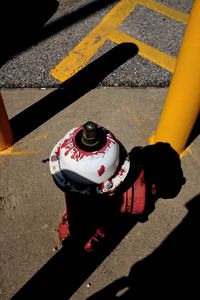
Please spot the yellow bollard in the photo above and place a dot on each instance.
(6, 136)
(182, 103)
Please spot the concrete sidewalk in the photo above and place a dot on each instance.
(31, 205)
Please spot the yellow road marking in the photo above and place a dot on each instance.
(87, 48)
(107, 30)
(161, 58)
(165, 10)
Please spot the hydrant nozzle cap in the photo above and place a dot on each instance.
(89, 135)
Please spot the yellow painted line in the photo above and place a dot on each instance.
(165, 10)
(11, 151)
(87, 48)
(107, 30)
(158, 57)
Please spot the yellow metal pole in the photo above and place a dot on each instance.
(6, 136)
(182, 103)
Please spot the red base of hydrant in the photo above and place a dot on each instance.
(64, 228)
(133, 202)
(90, 245)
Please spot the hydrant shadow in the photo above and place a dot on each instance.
(70, 267)
(170, 270)
(163, 178)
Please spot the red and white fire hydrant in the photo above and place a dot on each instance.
(92, 167)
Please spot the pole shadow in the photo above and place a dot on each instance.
(23, 22)
(71, 266)
(71, 90)
(170, 271)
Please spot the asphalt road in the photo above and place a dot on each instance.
(38, 35)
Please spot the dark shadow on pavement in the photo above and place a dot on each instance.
(70, 267)
(23, 23)
(71, 90)
(171, 271)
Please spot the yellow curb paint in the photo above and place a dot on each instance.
(107, 30)
(160, 58)
(11, 151)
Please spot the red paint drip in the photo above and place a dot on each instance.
(101, 170)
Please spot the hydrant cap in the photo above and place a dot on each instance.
(86, 156)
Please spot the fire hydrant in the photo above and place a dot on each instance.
(92, 168)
